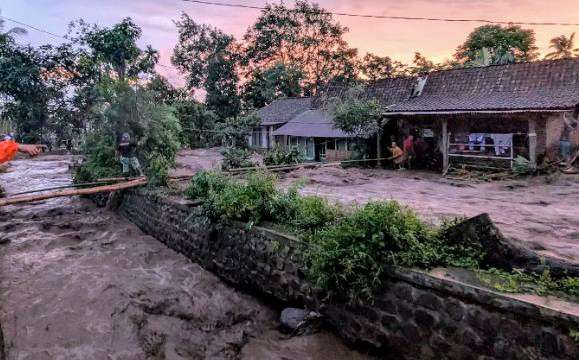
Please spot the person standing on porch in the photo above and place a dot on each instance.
(569, 126)
(409, 152)
(397, 156)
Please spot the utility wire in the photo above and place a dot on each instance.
(33, 27)
(391, 17)
(55, 35)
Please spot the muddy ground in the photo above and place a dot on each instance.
(77, 282)
(541, 212)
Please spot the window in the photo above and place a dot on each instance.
(256, 137)
(342, 144)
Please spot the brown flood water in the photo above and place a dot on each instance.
(77, 282)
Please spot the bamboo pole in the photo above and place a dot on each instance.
(95, 190)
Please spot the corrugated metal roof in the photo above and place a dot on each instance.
(311, 123)
(283, 110)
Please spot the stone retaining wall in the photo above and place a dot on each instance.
(418, 316)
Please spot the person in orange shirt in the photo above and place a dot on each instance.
(397, 155)
(9, 148)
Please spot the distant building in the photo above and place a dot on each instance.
(481, 115)
(275, 115)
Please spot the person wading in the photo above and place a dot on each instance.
(127, 149)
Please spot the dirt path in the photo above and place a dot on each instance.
(77, 282)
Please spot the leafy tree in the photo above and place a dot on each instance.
(197, 123)
(486, 57)
(420, 64)
(234, 131)
(124, 109)
(356, 115)
(267, 85)
(500, 41)
(562, 48)
(162, 90)
(306, 37)
(22, 71)
(208, 57)
(375, 67)
(116, 48)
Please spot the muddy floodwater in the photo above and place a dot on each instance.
(542, 213)
(77, 282)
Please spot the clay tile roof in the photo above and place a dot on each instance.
(542, 85)
(311, 123)
(283, 110)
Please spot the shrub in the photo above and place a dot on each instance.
(283, 156)
(453, 254)
(522, 166)
(349, 257)
(225, 198)
(100, 158)
(205, 182)
(235, 158)
(311, 213)
(154, 126)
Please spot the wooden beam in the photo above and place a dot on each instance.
(532, 143)
(445, 142)
(90, 191)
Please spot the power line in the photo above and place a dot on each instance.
(391, 17)
(33, 27)
(56, 35)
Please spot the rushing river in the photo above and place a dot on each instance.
(77, 282)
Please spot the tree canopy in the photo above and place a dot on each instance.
(499, 40)
(116, 48)
(306, 37)
(208, 58)
(266, 85)
(563, 48)
(374, 67)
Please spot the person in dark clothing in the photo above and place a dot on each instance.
(127, 149)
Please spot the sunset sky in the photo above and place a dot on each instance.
(395, 38)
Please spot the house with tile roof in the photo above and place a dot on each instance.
(275, 115)
(492, 114)
(480, 115)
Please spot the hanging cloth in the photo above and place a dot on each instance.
(503, 142)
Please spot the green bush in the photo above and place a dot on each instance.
(235, 158)
(226, 198)
(311, 213)
(283, 156)
(350, 256)
(100, 159)
(154, 126)
(458, 255)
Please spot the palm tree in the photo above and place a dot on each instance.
(12, 31)
(563, 48)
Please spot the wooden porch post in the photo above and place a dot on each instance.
(533, 143)
(444, 146)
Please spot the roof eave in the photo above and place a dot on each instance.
(458, 112)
